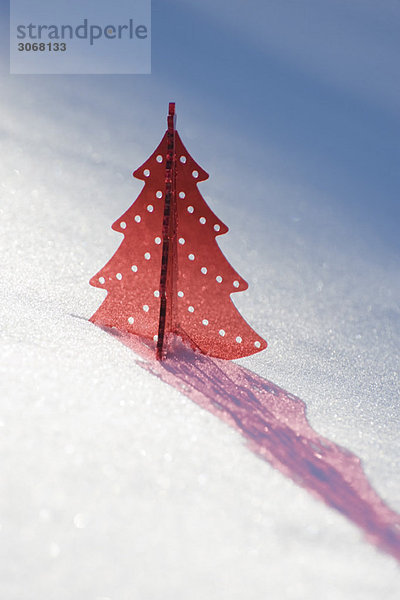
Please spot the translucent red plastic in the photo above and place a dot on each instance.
(169, 275)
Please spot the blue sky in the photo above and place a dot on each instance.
(302, 92)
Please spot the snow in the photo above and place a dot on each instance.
(114, 484)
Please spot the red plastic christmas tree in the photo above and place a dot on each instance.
(169, 275)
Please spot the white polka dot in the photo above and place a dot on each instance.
(155, 338)
(131, 320)
(205, 322)
(217, 227)
(239, 339)
(183, 159)
(157, 240)
(102, 280)
(146, 172)
(202, 220)
(191, 309)
(138, 218)
(236, 283)
(181, 294)
(204, 270)
(190, 209)
(195, 174)
(145, 308)
(159, 194)
(182, 195)
(134, 268)
(159, 158)
(219, 278)
(119, 276)
(257, 344)
(147, 255)
(191, 256)
(181, 241)
(221, 332)
(156, 294)
(150, 208)
(122, 225)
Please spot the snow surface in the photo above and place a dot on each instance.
(114, 485)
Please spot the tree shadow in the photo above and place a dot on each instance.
(275, 426)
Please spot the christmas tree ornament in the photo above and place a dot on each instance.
(169, 276)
